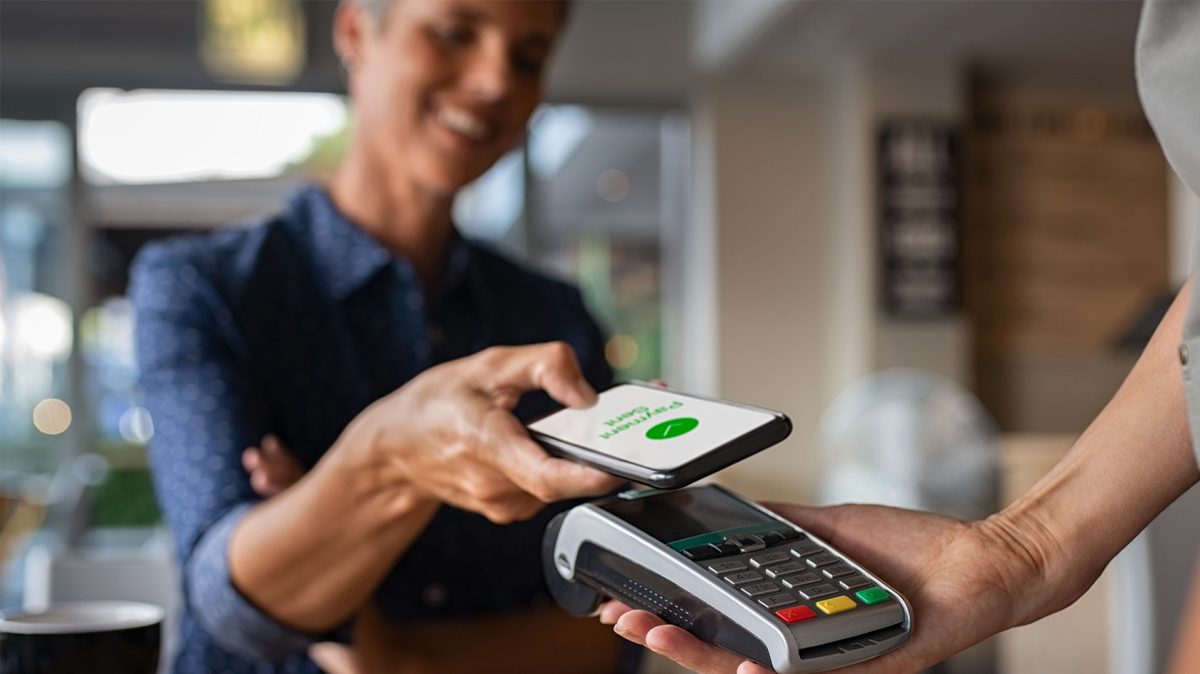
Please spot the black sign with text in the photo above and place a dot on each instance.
(919, 226)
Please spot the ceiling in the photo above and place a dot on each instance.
(52, 50)
(626, 51)
(1084, 42)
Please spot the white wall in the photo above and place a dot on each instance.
(782, 249)
(762, 195)
(933, 89)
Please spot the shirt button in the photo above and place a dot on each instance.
(1183, 354)
(436, 335)
(434, 595)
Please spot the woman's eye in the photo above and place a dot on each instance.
(451, 35)
(529, 64)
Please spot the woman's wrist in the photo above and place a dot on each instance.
(1031, 559)
(357, 464)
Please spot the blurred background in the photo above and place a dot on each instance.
(935, 234)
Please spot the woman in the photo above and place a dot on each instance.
(353, 327)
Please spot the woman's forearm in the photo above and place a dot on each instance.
(311, 556)
(1131, 462)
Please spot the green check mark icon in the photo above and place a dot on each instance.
(672, 428)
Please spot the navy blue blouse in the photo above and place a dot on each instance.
(293, 326)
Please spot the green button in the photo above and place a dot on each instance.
(672, 429)
(872, 595)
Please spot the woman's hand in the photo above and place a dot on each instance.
(272, 467)
(450, 433)
(312, 554)
(966, 581)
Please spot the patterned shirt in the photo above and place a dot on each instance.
(293, 326)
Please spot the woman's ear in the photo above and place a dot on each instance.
(351, 27)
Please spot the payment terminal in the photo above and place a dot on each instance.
(730, 572)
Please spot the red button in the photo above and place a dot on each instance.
(795, 614)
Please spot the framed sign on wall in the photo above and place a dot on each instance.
(919, 221)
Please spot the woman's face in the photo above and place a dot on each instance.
(443, 88)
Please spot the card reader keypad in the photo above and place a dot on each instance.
(789, 575)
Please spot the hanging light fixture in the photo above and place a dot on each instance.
(252, 41)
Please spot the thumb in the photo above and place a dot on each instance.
(551, 367)
(334, 658)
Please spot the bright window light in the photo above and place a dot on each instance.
(155, 136)
(34, 154)
(555, 133)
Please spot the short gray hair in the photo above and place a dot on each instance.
(377, 9)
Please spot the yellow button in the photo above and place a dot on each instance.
(836, 605)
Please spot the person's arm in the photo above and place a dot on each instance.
(312, 555)
(970, 580)
(419, 647)
(263, 578)
(204, 408)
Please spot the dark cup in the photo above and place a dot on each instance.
(94, 637)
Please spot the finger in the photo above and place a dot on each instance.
(260, 482)
(611, 611)
(333, 658)
(659, 383)
(551, 367)
(634, 625)
(822, 521)
(524, 462)
(280, 461)
(251, 459)
(685, 649)
(751, 667)
(262, 485)
(279, 464)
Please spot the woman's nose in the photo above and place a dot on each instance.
(489, 73)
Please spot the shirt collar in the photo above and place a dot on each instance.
(345, 257)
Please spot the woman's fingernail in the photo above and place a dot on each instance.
(587, 395)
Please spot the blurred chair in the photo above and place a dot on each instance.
(909, 438)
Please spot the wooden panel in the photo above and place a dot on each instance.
(1066, 247)
(1067, 225)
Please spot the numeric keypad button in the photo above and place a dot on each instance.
(817, 591)
(736, 579)
(726, 567)
(800, 580)
(838, 570)
(785, 569)
(823, 559)
(766, 559)
(775, 601)
(855, 582)
(805, 549)
(757, 589)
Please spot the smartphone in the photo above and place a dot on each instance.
(659, 437)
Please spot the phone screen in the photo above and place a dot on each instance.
(651, 427)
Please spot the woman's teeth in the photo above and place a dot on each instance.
(464, 123)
